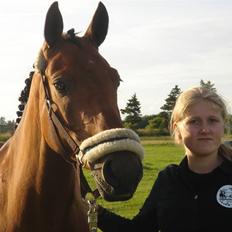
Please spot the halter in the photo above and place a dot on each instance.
(58, 128)
(60, 133)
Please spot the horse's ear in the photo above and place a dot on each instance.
(98, 27)
(53, 28)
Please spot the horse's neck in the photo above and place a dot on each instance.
(22, 157)
(41, 180)
(25, 144)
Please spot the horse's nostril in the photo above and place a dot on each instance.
(122, 171)
(109, 173)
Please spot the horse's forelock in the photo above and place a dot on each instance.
(40, 63)
(72, 37)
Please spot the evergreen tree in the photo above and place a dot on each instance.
(132, 112)
(167, 108)
(171, 100)
(6, 126)
(3, 121)
(208, 85)
(228, 126)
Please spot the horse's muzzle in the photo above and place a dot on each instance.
(116, 157)
(119, 177)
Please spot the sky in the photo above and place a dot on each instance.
(154, 45)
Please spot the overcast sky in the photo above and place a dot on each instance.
(154, 45)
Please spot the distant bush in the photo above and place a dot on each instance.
(153, 132)
(6, 126)
(4, 136)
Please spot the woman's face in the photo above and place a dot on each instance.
(202, 129)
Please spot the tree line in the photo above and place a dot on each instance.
(158, 124)
(145, 125)
(6, 126)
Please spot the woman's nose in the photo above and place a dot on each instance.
(205, 128)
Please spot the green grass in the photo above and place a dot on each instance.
(4, 137)
(158, 154)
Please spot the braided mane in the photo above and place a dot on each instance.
(24, 98)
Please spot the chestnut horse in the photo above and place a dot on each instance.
(71, 118)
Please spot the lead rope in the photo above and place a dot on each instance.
(90, 198)
(92, 213)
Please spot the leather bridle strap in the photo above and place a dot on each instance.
(59, 129)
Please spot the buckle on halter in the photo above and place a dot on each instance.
(49, 105)
(79, 156)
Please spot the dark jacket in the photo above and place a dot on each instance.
(181, 201)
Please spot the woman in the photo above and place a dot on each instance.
(195, 195)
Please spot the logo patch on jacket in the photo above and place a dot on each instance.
(224, 196)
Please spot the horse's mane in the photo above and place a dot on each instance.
(24, 98)
(40, 65)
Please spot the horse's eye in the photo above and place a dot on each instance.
(119, 81)
(115, 76)
(60, 86)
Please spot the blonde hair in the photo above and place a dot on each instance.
(191, 97)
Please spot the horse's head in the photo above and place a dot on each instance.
(80, 89)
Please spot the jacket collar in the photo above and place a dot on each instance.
(226, 165)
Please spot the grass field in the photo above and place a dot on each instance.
(158, 154)
(4, 137)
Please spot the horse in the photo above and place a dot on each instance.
(69, 119)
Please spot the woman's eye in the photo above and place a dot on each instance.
(213, 120)
(193, 121)
(60, 86)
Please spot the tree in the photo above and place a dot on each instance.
(145, 120)
(208, 85)
(228, 126)
(156, 122)
(11, 125)
(3, 121)
(171, 100)
(132, 112)
(167, 108)
(6, 126)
